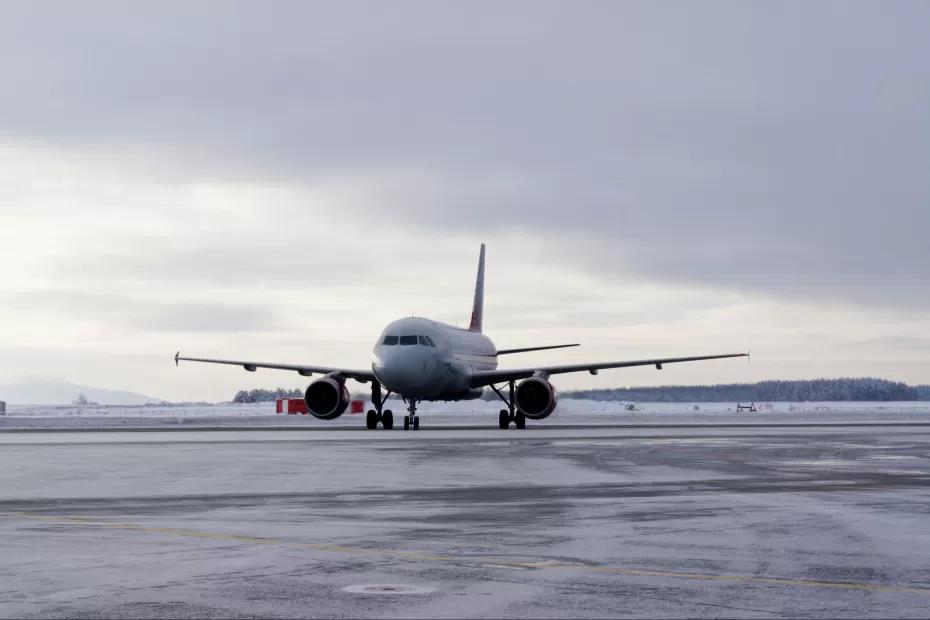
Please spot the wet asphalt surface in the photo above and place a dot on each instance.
(586, 521)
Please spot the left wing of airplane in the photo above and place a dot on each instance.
(489, 377)
(362, 376)
(526, 349)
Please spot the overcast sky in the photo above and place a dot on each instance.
(276, 181)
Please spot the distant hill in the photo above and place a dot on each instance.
(64, 393)
(866, 389)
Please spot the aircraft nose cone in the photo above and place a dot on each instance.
(405, 372)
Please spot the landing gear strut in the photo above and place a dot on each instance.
(510, 414)
(378, 414)
(411, 419)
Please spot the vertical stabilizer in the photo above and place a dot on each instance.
(477, 309)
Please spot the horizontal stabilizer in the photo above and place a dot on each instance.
(524, 350)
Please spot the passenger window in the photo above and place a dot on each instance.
(423, 341)
(390, 340)
(407, 340)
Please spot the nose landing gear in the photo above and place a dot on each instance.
(411, 419)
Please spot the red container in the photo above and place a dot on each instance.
(296, 405)
(290, 406)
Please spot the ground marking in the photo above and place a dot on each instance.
(431, 557)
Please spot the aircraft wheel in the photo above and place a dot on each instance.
(416, 422)
(504, 419)
(520, 420)
(387, 420)
(406, 423)
(371, 420)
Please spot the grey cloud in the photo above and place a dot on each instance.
(267, 265)
(898, 344)
(777, 148)
(145, 314)
(276, 267)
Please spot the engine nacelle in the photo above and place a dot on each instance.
(536, 398)
(327, 398)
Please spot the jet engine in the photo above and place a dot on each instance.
(536, 398)
(327, 398)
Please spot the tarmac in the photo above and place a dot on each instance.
(724, 518)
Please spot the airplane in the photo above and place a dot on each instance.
(421, 359)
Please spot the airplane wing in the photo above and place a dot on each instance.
(526, 349)
(362, 376)
(488, 377)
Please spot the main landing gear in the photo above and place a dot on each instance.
(510, 414)
(411, 419)
(378, 414)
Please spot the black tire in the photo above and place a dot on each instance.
(416, 422)
(503, 419)
(387, 420)
(520, 420)
(406, 423)
(371, 420)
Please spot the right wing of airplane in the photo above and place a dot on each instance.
(362, 376)
(482, 378)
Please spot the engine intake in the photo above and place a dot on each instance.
(536, 398)
(327, 398)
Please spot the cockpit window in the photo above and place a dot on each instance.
(430, 341)
(390, 340)
(423, 341)
(407, 340)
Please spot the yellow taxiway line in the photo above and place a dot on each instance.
(432, 557)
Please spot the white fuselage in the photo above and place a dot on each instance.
(423, 359)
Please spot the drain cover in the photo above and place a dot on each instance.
(387, 588)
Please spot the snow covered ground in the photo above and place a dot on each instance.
(470, 413)
(566, 407)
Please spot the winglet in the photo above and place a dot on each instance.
(176, 357)
(477, 309)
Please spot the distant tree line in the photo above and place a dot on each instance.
(866, 389)
(82, 401)
(261, 395)
(784, 391)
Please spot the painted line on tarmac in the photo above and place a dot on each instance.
(784, 581)
(464, 560)
(220, 536)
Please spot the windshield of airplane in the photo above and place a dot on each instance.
(425, 341)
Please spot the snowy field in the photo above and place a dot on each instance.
(475, 407)
(569, 411)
